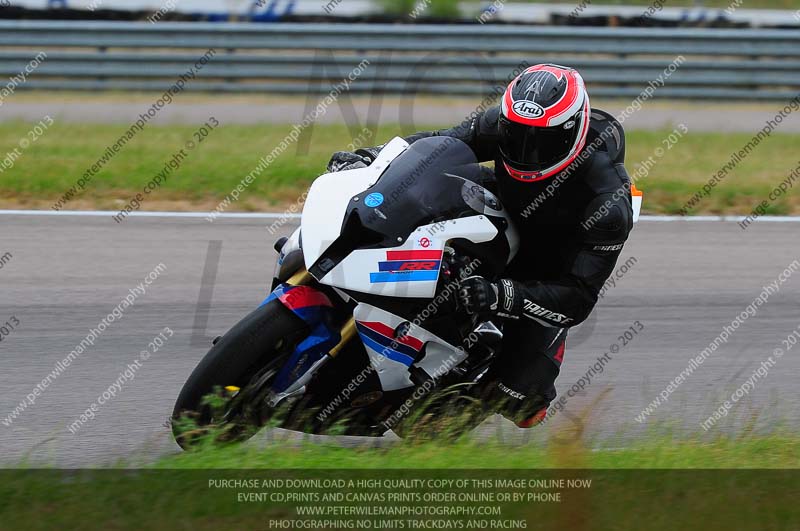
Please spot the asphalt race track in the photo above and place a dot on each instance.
(66, 273)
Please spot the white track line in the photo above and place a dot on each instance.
(278, 215)
(100, 213)
(769, 219)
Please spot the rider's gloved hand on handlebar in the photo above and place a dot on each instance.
(477, 295)
(347, 160)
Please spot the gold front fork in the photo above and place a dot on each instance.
(301, 278)
(348, 332)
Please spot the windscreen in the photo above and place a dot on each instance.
(422, 185)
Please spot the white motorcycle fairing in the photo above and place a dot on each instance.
(393, 356)
(411, 269)
(329, 195)
(397, 346)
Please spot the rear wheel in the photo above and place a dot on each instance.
(225, 393)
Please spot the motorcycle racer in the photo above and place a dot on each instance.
(558, 169)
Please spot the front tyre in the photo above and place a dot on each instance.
(223, 392)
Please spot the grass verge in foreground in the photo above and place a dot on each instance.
(750, 4)
(46, 169)
(775, 452)
(554, 486)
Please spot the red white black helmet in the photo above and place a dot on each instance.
(544, 121)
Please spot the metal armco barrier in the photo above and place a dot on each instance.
(293, 58)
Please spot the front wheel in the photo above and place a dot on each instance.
(223, 392)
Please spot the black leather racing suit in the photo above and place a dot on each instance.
(572, 228)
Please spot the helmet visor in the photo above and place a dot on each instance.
(529, 148)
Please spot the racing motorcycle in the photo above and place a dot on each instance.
(361, 321)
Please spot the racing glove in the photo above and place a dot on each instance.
(478, 295)
(347, 160)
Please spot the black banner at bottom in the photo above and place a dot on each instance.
(400, 499)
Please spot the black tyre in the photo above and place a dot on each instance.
(247, 357)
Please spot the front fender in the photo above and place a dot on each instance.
(308, 303)
(315, 308)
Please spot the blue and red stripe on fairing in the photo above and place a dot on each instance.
(402, 276)
(375, 335)
(418, 254)
(408, 266)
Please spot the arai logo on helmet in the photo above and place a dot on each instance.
(528, 109)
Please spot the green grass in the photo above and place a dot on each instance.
(446, 6)
(47, 168)
(662, 452)
(658, 483)
(746, 4)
